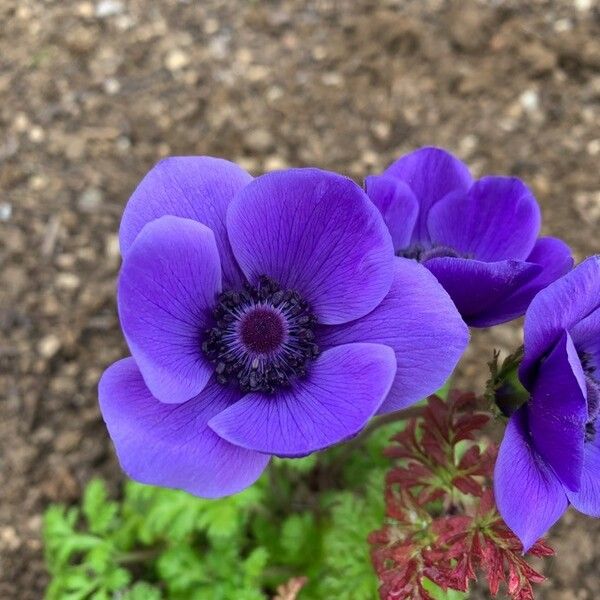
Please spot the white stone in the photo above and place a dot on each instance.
(109, 8)
(37, 134)
(176, 60)
(584, 5)
(49, 345)
(562, 25)
(112, 86)
(112, 246)
(5, 211)
(530, 100)
(275, 163)
(593, 147)
(67, 281)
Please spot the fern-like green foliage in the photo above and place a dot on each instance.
(305, 517)
(155, 543)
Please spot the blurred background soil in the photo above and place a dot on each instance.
(92, 94)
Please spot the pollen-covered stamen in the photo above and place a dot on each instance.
(263, 337)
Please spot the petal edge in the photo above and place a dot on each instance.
(171, 445)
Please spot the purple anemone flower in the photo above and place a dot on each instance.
(550, 454)
(479, 238)
(264, 317)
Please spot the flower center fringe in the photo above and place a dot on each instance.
(423, 253)
(263, 337)
(592, 384)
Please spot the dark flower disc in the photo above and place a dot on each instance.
(263, 337)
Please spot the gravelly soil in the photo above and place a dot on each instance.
(93, 93)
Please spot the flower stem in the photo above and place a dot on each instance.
(377, 423)
(400, 415)
(140, 556)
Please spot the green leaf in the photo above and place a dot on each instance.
(98, 510)
(221, 519)
(300, 465)
(101, 557)
(143, 591)
(345, 569)
(117, 579)
(254, 565)
(181, 569)
(298, 538)
(61, 539)
(439, 594)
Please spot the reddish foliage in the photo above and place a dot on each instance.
(442, 523)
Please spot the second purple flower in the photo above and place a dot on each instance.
(479, 238)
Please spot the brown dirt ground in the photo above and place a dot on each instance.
(93, 93)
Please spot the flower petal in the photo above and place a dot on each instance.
(497, 219)
(317, 233)
(398, 206)
(344, 389)
(419, 321)
(530, 498)
(167, 288)
(195, 187)
(558, 412)
(555, 260)
(431, 173)
(171, 445)
(587, 499)
(478, 287)
(558, 308)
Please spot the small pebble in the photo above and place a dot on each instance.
(37, 134)
(49, 345)
(593, 147)
(529, 100)
(67, 281)
(176, 60)
(67, 441)
(112, 246)
(259, 140)
(9, 540)
(562, 25)
(21, 122)
(275, 163)
(211, 26)
(584, 5)
(332, 79)
(5, 211)
(468, 144)
(90, 200)
(111, 86)
(109, 8)
(587, 205)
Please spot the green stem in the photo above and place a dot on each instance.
(377, 423)
(140, 556)
(401, 415)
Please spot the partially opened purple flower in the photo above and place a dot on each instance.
(479, 238)
(264, 317)
(550, 454)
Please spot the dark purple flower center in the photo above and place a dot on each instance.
(592, 384)
(262, 330)
(263, 337)
(422, 253)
